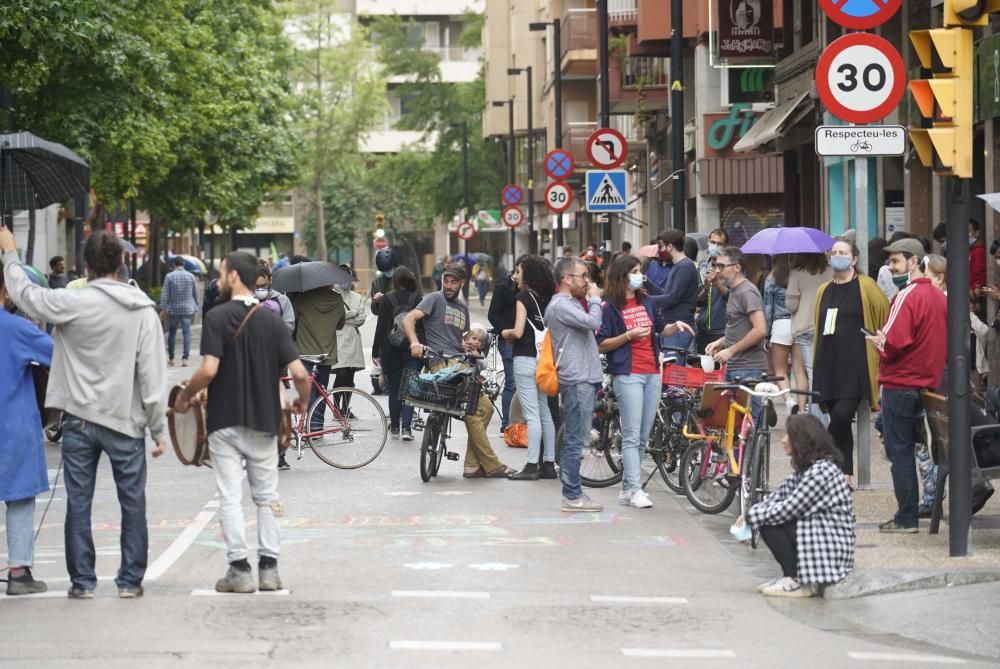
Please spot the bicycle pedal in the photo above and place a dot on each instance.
(452, 456)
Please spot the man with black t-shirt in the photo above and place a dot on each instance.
(244, 351)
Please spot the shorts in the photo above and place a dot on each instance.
(781, 332)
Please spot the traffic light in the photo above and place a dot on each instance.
(968, 13)
(943, 140)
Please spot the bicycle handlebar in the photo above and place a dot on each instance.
(765, 390)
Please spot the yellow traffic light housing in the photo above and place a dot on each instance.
(943, 140)
(969, 13)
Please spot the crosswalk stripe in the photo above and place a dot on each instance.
(617, 599)
(442, 594)
(679, 652)
(492, 646)
(904, 657)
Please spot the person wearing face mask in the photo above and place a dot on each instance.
(845, 369)
(710, 321)
(591, 255)
(808, 272)
(679, 298)
(912, 352)
(350, 352)
(629, 333)
(272, 299)
(659, 267)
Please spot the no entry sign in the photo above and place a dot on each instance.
(860, 78)
(558, 197)
(860, 14)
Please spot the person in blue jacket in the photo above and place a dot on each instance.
(629, 337)
(23, 473)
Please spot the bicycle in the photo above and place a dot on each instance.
(861, 145)
(714, 469)
(441, 400)
(352, 423)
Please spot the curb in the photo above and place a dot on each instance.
(866, 583)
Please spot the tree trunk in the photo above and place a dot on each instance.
(320, 223)
(29, 252)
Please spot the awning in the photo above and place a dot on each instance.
(772, 124)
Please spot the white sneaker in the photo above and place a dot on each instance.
(787, 587)
(640, 500)
(768, 584)
(625, 497)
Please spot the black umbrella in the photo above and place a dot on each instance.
(308, 275)
(35, 173)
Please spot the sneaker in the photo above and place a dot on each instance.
(76, 592)
(282, 463)
(767, 584)
(529, 473)
(924, 511)
(787, 587)
(25, 584)
(268, 579)
(581, 503)
(625, 497)
(394, 432)
(407, 435)
(549, 470)
(890, 527)
(236, 580)
(130, 592)
(640, 500)
(170, 363)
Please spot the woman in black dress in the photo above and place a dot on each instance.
(845, 368)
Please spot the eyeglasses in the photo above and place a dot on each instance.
(724, 265)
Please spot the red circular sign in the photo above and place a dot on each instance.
(512, 216)
(466, 230)
(558, 197)
(381, 243)
(860, 14)
(860, 78)
(559, 164)
(607, 148)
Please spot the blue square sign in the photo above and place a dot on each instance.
(606, 190)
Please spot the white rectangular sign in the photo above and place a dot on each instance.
(860, 140)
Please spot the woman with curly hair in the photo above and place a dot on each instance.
(808, 521)
(534, 279)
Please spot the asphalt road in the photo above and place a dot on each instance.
(383, 570)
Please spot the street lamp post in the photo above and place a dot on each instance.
(532, 242)
(557, 87)
(510, 160)
(677, 110)
(605, 97)
(464, 125)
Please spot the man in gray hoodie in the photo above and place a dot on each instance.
(573, 316)
(108, 378)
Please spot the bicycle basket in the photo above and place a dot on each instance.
(457, 399)
(691, 377)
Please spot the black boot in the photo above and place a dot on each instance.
(529, 473)
(549, 470)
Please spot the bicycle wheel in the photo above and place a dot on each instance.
(758, 477)
(430, 458)
(713, 491)
(353, 431)
(601, 460)
(667, 456)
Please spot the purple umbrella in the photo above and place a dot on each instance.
(775, 241)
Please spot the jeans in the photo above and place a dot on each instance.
(185, 324)
(782, 541)
(578, 411)
(399, 413)
(21, 532)
(535, 405)
(323, 379)
(679, 340)
(82, 445)
(805, 341)
(228, 446)
(483, 287)
(638, 396)
(900, 411)
(748, 374)
(507, 355)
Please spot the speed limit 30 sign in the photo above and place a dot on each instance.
(558, 197)
(512, 216)
(860, 78)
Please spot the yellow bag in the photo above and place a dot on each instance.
(546, 374)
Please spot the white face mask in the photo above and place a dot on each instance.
(635, 281)
(713, 250)
(260, 293)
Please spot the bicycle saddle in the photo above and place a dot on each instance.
(315, 359)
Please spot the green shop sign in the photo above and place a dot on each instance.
(725, 131)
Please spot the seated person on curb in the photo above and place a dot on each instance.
(808, 521)
(446, 320)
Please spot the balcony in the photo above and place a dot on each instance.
(623, 12)
(579, 43)
(574, 140)
(639, 78)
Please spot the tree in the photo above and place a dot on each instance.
(342, 97)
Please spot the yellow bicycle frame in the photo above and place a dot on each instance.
(735, 409)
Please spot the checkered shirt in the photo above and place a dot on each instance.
(180, 293)
(820, 501)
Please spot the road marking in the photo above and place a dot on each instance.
(182, 542)
(266, 593)
(442, 594)
(428, 566)
(401, 493)
(50, 594)
(679, 652)
(454, 492)
(493, 566)
(904, 657)
(616, 599)
(492, 646)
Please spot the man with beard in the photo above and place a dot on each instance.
(244, 351)
(446, 320)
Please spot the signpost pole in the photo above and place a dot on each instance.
(510, 172)
(605, 95)
(557, 85)
(465, 177)
(861, 228)
(532, 242)
(677, 111)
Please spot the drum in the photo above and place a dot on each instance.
(187, 430)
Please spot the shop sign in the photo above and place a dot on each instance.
(722, 131)
(746, 28)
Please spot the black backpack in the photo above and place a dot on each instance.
(397, 335)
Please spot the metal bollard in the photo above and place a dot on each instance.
(864, 481)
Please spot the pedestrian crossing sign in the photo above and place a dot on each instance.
(606, 190)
